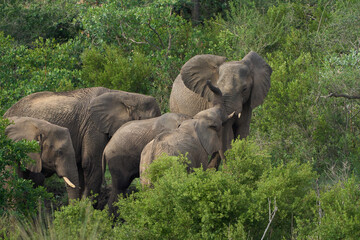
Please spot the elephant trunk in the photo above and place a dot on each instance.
(70, 175)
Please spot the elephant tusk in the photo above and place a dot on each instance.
(231, 115)
(239, 115)
(69, 182)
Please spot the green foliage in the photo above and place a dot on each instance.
(113, 69)
(217, 204)
(338, 30)
(336, 127)
(26, 21)
(341, 211)
(47, 66)
(80, 220)
(150, 25)
(17, 195)
(200, 205)
(76, 221)
(336, 214)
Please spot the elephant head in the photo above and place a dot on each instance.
(111, 110)
(57, 153)
(244, 84)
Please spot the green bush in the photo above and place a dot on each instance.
(219, 204)
(113, 69)
(47, 66)
(200, 205)
(80, 220)
(17, 195)
(26, 21)
(336, 214)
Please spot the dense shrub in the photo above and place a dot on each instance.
(17, 195)
(209, 204)
(111, 68)
(80, 220)
(47, 66)
(26, 21)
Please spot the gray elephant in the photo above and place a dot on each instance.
(122, 153)
(244, 85)
(199, 138)
(57, 154)
(92, 116)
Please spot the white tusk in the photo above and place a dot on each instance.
(69, 182)
(231, 115)
(239, 115)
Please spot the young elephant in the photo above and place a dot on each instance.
(122, 153)
(57, 154)
(199, 137)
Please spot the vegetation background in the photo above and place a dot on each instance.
(295, 177)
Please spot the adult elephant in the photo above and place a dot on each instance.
(57, 154)
(92, 115)
(244, 85)
(122, 153)
(198, 138)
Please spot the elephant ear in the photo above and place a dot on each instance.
(261, 73)
(27, 128)
(111, 110)
(198, 70)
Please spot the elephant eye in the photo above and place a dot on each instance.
(244, 89)
(59, 152)
(213, 127)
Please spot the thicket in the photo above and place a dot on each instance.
(302, 158)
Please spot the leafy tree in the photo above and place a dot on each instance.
(47, 66)
(112, 69)
(26, 21)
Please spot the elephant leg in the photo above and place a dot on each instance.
(93, 147)
(81, 179)
(123, 171)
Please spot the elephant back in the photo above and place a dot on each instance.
(185, 101)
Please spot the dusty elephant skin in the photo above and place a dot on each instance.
(57, 154)
(92, 115)
(122, 153)
(244, 85)
(199, 138)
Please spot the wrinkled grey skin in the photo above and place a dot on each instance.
(122, 153)
(244, 85)
(57, 154)
(92, 115)
(199, 138)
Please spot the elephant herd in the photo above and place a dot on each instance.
(82, 131)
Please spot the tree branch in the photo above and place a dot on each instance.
(157, 34)
(271, 216)
(341, 95)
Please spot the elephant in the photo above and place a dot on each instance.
(122, 153)
(92, 116)
(57, 154)
(244, 85)
(199, 138)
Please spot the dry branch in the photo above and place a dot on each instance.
(341, 95)
(271, 216)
